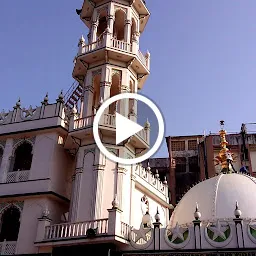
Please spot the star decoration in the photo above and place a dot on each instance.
(28, 112)
(218, 230)
(253, 226)
(177, 232)
(141, 233)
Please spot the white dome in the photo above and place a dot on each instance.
(216, 198)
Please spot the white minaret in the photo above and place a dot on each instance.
(107, 64)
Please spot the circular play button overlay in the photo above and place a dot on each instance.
(126, 129)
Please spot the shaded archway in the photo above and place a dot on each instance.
(114, 90)
(102, 25)
(23, 157)
(133, 29)
(96, 92)
(10, 224)
(119, 25)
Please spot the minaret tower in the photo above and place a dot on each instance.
(108, 63)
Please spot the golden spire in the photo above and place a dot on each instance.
(225, 157)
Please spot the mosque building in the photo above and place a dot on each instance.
(60, 195)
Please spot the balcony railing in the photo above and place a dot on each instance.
(109, 120)
(142, 58)
(121, 45)
(125, 230)
(69, 230)
(83, 122)
(7, 247)
(17, 176)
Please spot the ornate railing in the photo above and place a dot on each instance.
(142, 58)
(17, 176)
(78, 229)
(109, 120)
(7, 247)
(151, 179)
(125, 230)
(83, 122)
(93, 46)
(121, 45)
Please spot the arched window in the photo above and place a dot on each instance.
(114, 90)
(23, 157)
(1, 155)
(103, 23)
(119, 25)
(10, 224)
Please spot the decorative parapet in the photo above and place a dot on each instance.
(46, 115)
(152, 179)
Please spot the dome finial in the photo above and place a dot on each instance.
(157, 216)
(18, 103)
(237, 211)
(197, 213)
(225, 157)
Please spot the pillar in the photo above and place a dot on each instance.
(121, 172)
(94, 31)
(6, 159)
(114, 221)
(43, 222)
(132, 211)
(88, 99)
(157, 236)
(239, 232)
(111, 19)
(197, 231)
(77, 178)
(127, 31)
(98, 175)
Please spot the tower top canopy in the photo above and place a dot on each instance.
(86, 12)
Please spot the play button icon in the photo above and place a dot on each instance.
(119, 137)
(125, 128)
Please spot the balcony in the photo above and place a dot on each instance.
(8, 247)
(17, 176)
(115, 49)
(108, 121)
(76, 230)
(105, 230)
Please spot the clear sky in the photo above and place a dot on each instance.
(203, 58)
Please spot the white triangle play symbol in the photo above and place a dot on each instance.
(125, 128)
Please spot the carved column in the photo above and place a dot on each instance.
(132, 211)
(94, 31)
(88, 99)
(77, 178)
(120, 181)
(6, 159)
(127, 31)
(97, 194)
(111, 20)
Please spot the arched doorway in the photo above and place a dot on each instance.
(96, 93)
(114, 90)
(23, 157)
(119, 25)
(10, 224)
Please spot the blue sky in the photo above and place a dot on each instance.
(203, 58)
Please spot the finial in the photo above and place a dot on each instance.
(148, 167)
(45, 213)
(147, 124)
(237, 211)
(147, 54)
(61, 97)
(18, 103)
(74, 110)
(157, 216)
(197, 213)
(46, 98)
(115, 203)
(157, 174)
(81, 41)
(165, 180)
(101, 101)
